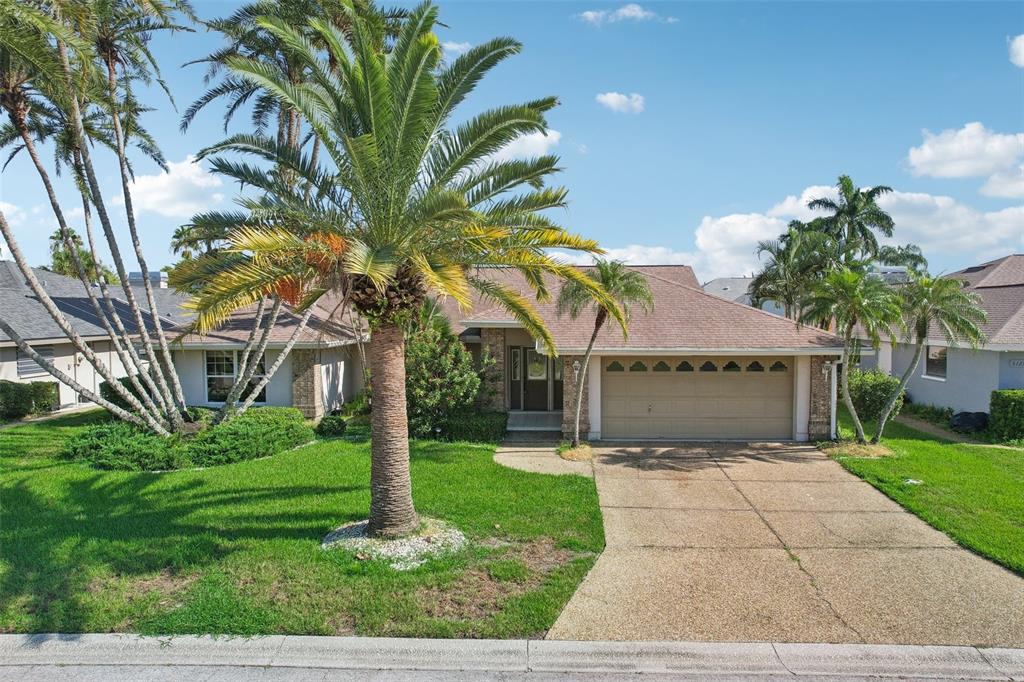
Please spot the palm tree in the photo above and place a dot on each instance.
(934, 303)
(854, 218)
(62, 261)
(623, 286)
(854, 299)
(407, 206)
(796, 260)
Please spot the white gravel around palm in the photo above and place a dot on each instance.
(435, 538)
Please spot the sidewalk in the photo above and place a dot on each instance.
(141, 659)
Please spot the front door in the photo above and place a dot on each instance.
(535, 392)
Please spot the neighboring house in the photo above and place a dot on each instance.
(696, 367)
(321, 372)
(955, 376)
(737, 290)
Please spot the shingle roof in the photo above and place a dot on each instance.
(1000, 284)
(20, 307)
(684, 318)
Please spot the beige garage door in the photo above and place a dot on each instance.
(697, 397)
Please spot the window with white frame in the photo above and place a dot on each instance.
(221, 371)
(28, 368)
(935, 362)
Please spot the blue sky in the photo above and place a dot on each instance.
(688, 131)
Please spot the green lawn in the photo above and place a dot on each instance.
(235, 549)
(974, 494)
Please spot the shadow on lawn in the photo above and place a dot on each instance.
(55, 543)
(683, 457)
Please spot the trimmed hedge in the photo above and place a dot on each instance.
(259, 432)
(19, 399)
(869, 392)
(331, 426)
(1006, 414)
(475, 427)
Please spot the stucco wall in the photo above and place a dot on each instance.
(971, 376)
(191, 368)
(1011, 377)
(341, 376)
(68, 361)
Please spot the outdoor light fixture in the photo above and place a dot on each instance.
(576, 369)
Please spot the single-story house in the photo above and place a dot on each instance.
(737, 290)
(321, 372)
(696, 367)
(954, 375)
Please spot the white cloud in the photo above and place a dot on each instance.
(1017, 51)
(184, 190)
(528, 146)
(14, 215)
(1007, 184)
(454, 49)
(632, 103)
(726, 245)
(628, 12)
(973, 150)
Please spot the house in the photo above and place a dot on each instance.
(737, 290)
(697, 367)
(954, 375)
(321, 372)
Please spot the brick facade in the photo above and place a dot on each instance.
(819, 426)
(494, 388)
(569, 397)
(307, 385)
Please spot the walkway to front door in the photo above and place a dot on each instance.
(776, 542)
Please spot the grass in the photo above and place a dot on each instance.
(235, 549)
(973, 493)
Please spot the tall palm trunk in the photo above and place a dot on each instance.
(391, 508)
(581, 379)
(904, 380)
(845, 385)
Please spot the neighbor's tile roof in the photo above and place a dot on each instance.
(684, 317)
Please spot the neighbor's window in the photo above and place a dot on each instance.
(221, 368)
(27, 367)
(935, 362)
(516, 366)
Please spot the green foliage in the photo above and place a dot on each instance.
(358, 405)
(109, 394)
(929, 413)
(15, 400)
(259, 432)
(440, 379)
(331, 426)
(1006, 414)
(19, 399)
(871, 390)
(475, 427)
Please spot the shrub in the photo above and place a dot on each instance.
(109, 394)
(929, 413)
(15, 399)
(440, 379)
(869, 392)
(259, 432)
(478, 427)
(331, 426)
(1006, 414)
(359, 404)
(45, 396)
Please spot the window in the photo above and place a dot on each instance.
(731, 366)
(638, 367)
(755, 366)
(935, 362)
(615, 366)
(684, 366)
(221, 368)
(778, 366)
(662, 366)
(28, 368)
(517, 367)
(536, 366)
(708, 366)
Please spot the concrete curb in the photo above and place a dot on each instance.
(367, 653)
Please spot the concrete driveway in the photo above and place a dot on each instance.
(776, 542)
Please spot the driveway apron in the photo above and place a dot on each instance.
(775, 542)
